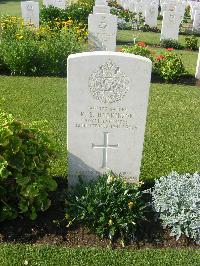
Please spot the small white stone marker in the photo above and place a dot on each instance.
(30, 13)
(107, 107)
(197, 74)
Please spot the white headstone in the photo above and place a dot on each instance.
(196, 22)
(197, 74)
(170, 25)
(30, 13)
(139, 8)
(102, 29)
(101, 7)
(151, 14)
(56, 3)
(107, 107)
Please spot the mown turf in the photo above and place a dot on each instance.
(151, 38)
(49, 255)
(172, 137)
(31, 99)
(12, 7)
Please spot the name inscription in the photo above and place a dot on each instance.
(106, 117)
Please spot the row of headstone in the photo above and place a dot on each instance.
(147, 8)
(172, 11)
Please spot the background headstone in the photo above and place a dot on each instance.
(197, 74)
(196, 22)
(151, 14)
(107, 107)
(30, 13)
(102, 28)
(170, 25)
(56, 3)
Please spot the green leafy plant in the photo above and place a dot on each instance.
(78, 12)
(177, 200)
(191, 42)
(39, 51)
(187, 17)
(110, 207)
(26, 152)
(169, 66)
(169, 43)
(139, 48)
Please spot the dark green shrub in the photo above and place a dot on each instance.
(77, 12)
(26, 152)
(191, 43)
(110, 207)
(171, 44)
(147, 28)
(51, 13)
(169, 66)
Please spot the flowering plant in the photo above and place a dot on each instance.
(110, 207)
(191, 42)
(27, 50)
(169, 65)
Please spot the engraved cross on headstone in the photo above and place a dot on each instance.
(105, 148)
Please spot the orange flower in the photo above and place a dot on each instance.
(142, 44)
(170, 49)
(160, 57)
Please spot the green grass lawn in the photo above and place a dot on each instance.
(12, 7)
(171, 141)
(38, 99)
(151, 38)
(52, 255)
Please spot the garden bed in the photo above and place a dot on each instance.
(51, 228)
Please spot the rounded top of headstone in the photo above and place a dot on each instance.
(110, 53)
(101, 3)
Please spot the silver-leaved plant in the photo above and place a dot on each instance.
(177, 200)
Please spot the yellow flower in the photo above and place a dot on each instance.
(67, 216)
(19, 37)
(110, 179)
(110, 222)
(130, 204)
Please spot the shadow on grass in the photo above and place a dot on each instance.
(184, 80)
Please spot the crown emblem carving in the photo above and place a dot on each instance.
(108, 84)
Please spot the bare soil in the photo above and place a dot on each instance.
(50, 228)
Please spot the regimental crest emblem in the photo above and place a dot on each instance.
(108, 84)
